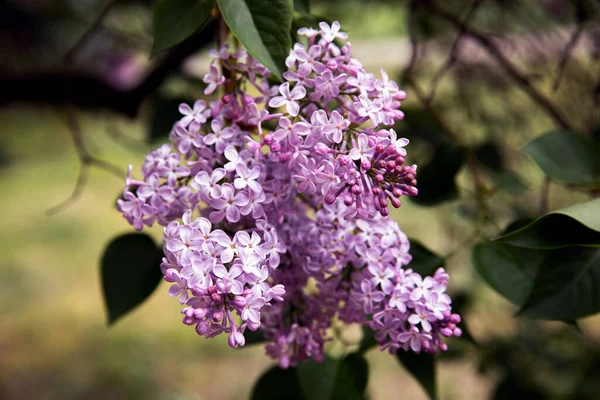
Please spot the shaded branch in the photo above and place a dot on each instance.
(86, 160)
(506, 64)
(453, 57)
(88, 33)
(90, 92)
(565, 55)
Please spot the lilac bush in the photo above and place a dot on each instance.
(275, 206)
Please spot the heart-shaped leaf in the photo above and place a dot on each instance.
(424, 261)
(130, 272)
(263, 27)
(575, 225)
(278, 384)
(422, 367)
(437, 180)
(566, 286)
(509, 270)
(566, 157)
(173, 21)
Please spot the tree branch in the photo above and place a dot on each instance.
(89, 92)
(86, 160)
(506, 64)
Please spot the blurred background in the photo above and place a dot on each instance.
(80, 100)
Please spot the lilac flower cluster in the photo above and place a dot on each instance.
(275, 206)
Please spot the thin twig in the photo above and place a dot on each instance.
(89, 31)
(86, 160)
(566, 53)
(564, 58)
(116, 134)
(506, 64)
(545, 195)
(453, 57)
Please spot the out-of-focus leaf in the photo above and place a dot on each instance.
(459, 303)
(575, 225)
(437, 180)
(489, 155)
(302, 6)
(566, 157)
(567, 285)
(334, 379)
(173, 21)
(424, 261)
(511, 388)
(422, 367)
(254, 337)
(352, 378)
(164, 113)
(130, 272)
(278, 384)
(317, 380)
(509, 270)
(368, 341)
(511, 183)
(263, 27)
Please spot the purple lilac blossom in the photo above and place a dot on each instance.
(252, 217)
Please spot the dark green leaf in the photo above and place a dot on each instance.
(511, 183)
(436, 180)
(368, 341)
(352, 378)
(489, 155)
(173, 21)
(334, 379)
(511, 388)
(460, 302)
(164, 113)
(509, 270)
(263, 27)
(425, 262)
(578, 224)
(254, 337)
(567, 285)
(422, 367)
(566, 157)
(317, 380)
(302, 6)
(130, 272)
(278, 384)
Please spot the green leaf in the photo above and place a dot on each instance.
(173, 21)
(424, 261)
(302, 6)
(334, 379)
(509, 270)
(567, 285)
(575, 225)
(512, 387)
(436, 180)
(130, 272)
(368, 340)
(422, 367)
(164, 112)
(352, 378)
(254, 337)
(566, 157)
(318, 379)
(278, 384)
(263, 27)
(511, 183)
(489, 155)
